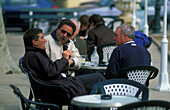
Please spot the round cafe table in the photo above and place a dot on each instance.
(90, 66)
(95, 101)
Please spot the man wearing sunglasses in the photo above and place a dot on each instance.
(59, 41)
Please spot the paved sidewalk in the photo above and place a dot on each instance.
(8, 100)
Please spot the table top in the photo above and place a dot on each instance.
(94, 67)
(96, 101)
(89, 65)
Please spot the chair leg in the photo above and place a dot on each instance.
(73, 107)
(70, 107)
(30, 98)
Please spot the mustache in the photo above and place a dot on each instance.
(63, 37)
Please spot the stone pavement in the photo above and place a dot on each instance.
(8, 100)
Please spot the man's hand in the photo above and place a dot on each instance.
(67, 54)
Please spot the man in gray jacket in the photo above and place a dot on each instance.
(59, 40)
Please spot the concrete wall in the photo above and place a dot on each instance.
(70, 3)
(67, 3)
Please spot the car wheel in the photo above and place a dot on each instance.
(44, 25)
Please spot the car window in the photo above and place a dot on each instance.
(23, 2)
(2, 2)
(105, 2)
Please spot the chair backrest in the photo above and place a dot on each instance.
(108, 20)
(45, 92)
(115, 23)
(123, 87)
(141, 74)
(105, 51)
(147, 105)
(31, 95)
(26, 104)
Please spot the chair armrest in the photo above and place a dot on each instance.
(154, 74)
(44, 105)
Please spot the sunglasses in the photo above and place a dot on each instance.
(68, 34)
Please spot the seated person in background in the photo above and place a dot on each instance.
(79, 43)
(81, 46)
(47, 71)
(84, 28)
(99, 34)
(142, 39)
(127, 53)
(59, 40)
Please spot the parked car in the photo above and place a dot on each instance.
(100, 3)
(102, 7)
(11, 12)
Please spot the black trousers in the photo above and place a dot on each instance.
(90, 79)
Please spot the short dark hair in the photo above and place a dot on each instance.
(96, 19)
(84, 20)
(68, 23)
(31, 34)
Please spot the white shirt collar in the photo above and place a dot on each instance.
(129, 42)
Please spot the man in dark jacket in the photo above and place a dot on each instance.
(47, 71)
(127, 53)
(99, 34)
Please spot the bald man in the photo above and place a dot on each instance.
(79, 43)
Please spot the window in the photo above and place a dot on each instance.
(2, 2)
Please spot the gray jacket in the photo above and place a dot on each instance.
(54, 50)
